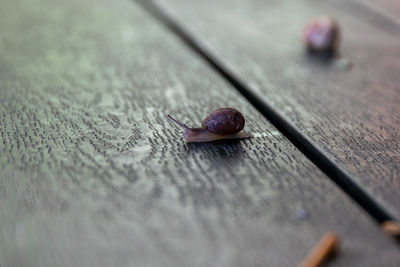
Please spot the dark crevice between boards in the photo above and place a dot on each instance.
(289, 130)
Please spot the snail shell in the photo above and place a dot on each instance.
(322, 35)
(223, 123)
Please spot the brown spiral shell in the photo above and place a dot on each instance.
(224, 121)
(322, 34)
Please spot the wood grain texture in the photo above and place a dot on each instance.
(352, 115)
(93, 174)
(387, 8)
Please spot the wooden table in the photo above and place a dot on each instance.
(92, 173)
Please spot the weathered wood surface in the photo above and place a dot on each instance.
(352, 115)
(389, 8)
(93, 174)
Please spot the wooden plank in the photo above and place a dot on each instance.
(93, 174)
(387, 8)
(351, 115)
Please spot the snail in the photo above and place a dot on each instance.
(223, 123)
(321, 34)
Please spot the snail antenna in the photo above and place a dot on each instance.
(178, 122)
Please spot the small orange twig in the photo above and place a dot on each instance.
(328, 244)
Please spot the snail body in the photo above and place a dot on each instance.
(223, 123)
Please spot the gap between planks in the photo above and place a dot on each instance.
(312, 151)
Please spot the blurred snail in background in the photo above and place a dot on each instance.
(321, 34)
(223, 123)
